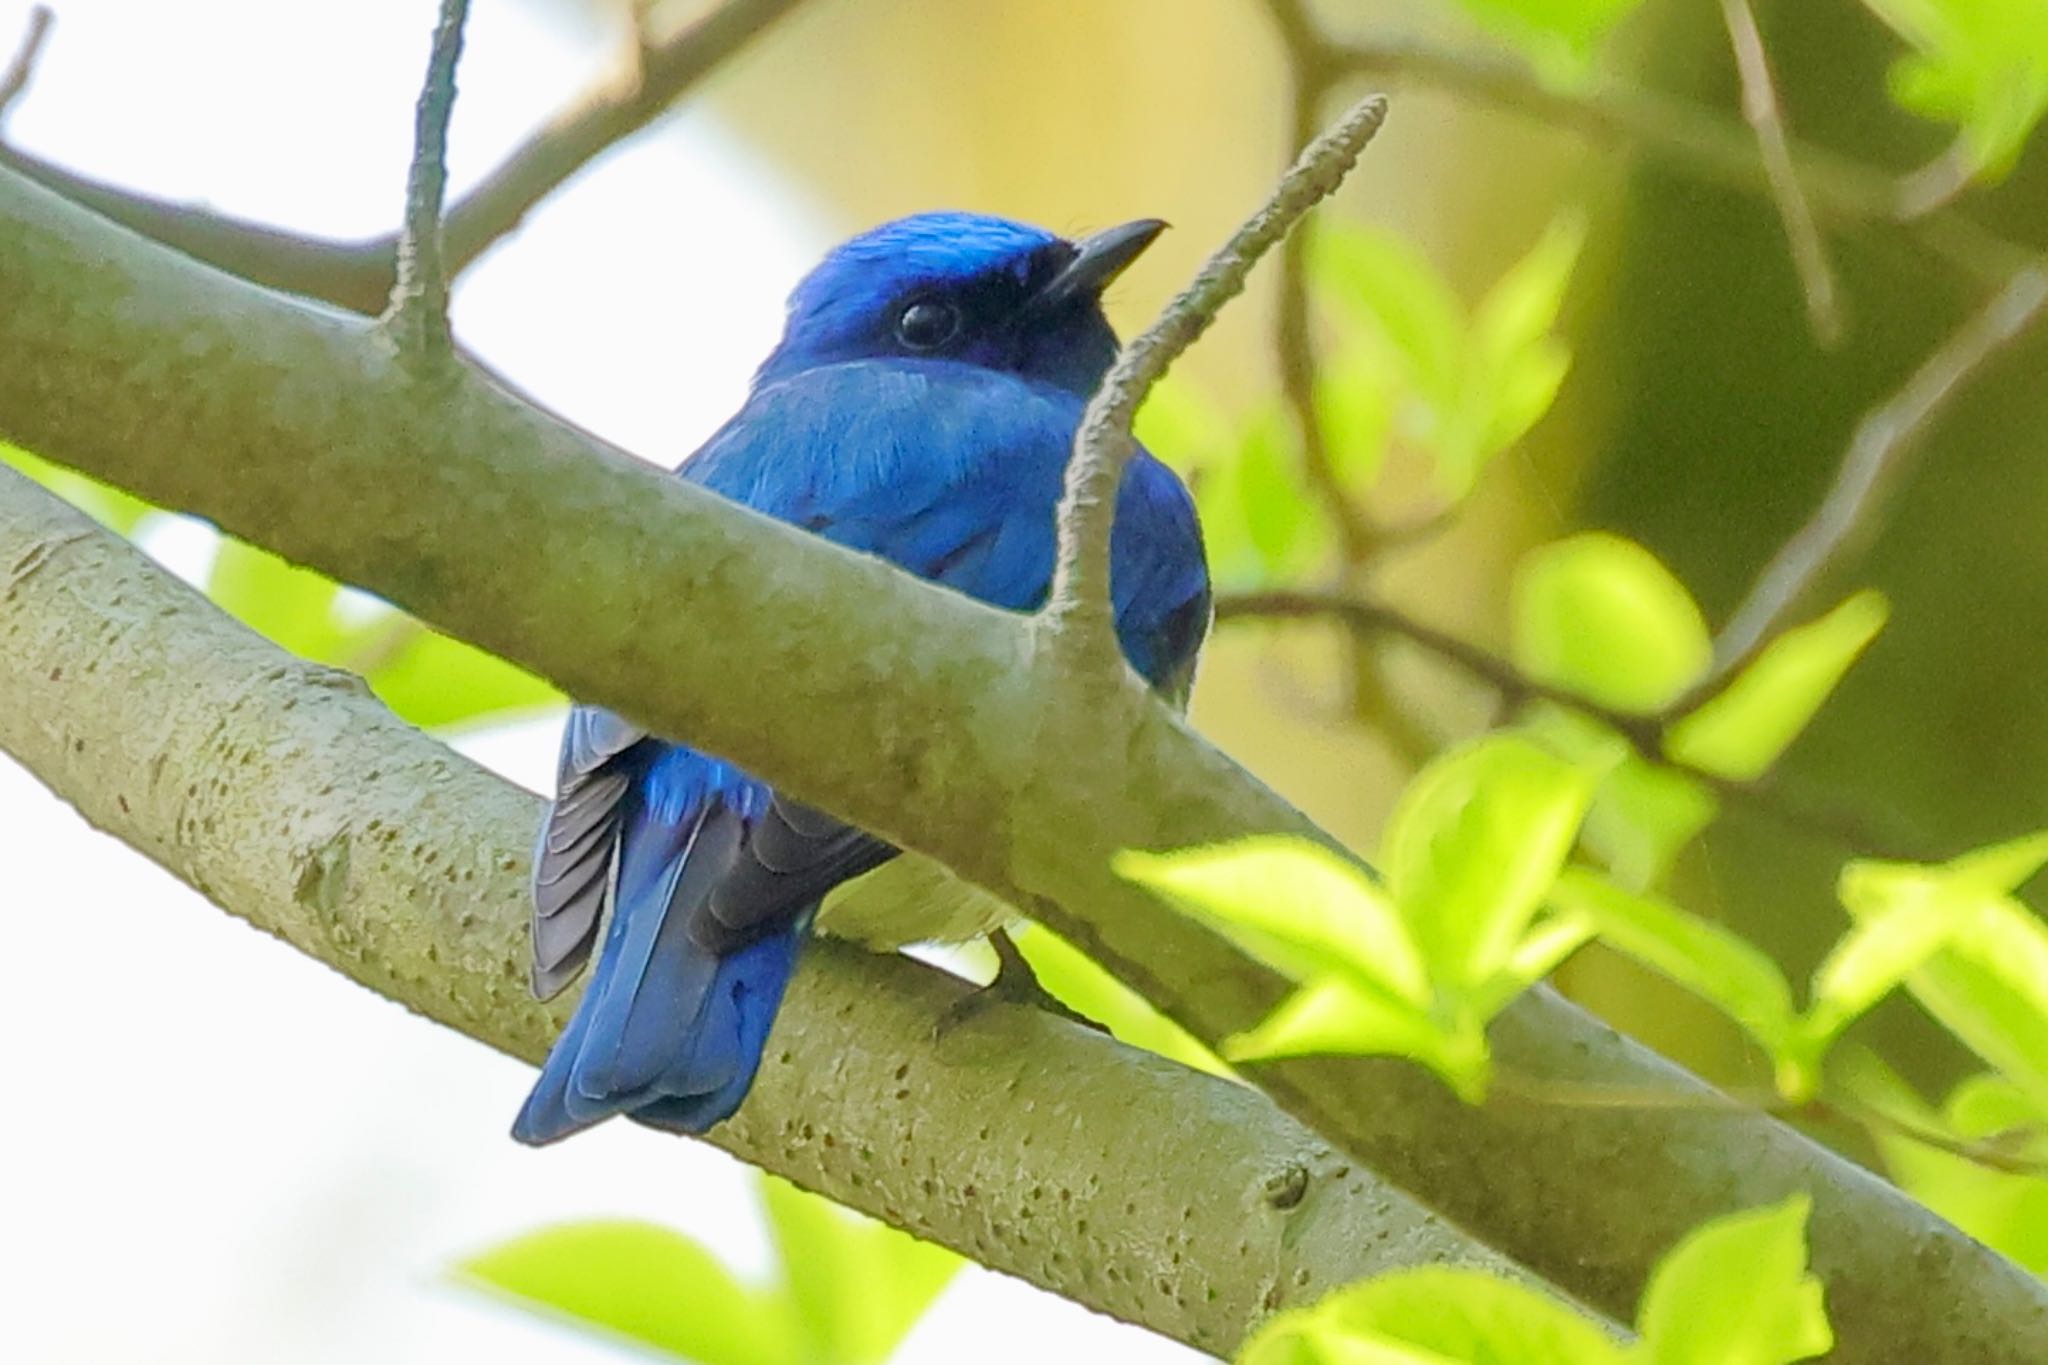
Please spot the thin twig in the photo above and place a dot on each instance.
(1293, 346)
(22, 68)
(1935, 185)
(1877, 453)
(1996, 1152)
(1688, 138)
(1783, 804)
(418, 315)
(1760, 107)
(1079, 611)
(360, 275)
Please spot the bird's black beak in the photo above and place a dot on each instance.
(1098, 259)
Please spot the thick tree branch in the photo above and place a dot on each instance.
(291, 798)
(360, 276)
(908, 710)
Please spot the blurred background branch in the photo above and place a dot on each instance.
(360, 276)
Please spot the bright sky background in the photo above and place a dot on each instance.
(216, 1149)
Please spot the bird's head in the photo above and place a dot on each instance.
(963, 287)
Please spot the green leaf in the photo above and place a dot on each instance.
(435, 680)
(2005, 1210)
(1432, 1315)
(646, 1284)
(1330, 1015)
(1355, 409)
(1988, 982)
(1473, 846)
(1078, 982)
(1714, 964)
(1513, 364)
(119, 511)
(2002, 869)
(1643, 816)
(1542, 951)
(1737, 1292)
(293, 608)
(1599, 615)
(1522, 307)
(858, 1286)
(1284, 524)
(1385, 287)
(1865, 965)
(1979, 65)
(429, 678)
(1741, 732)
(1558, 36)
(1294, 905)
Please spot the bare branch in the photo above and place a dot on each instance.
(1802, 812)
(360, 276)
(22, 68)
(418, 315)
(1079, 610)
(1936, 184)
(662, 71)
(1294, 348)
(1760, 107)
(1877, 453)
(1690, 139)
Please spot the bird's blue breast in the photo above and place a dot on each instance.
(954, 473)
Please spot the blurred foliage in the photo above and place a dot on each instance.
(120, 512)
(845, 1292)
(1981, 65)
(429, 678)
(1078, 982)
(1736, 1291)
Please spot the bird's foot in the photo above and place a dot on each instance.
(1015, 984)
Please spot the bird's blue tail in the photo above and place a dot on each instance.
(673, 1022)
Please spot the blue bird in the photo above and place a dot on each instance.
(920, 406)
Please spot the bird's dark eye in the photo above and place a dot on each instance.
(927, 324)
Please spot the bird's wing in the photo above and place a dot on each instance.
(576, 856)
(945, 472)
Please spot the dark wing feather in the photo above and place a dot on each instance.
(793, 856)
(575, 859)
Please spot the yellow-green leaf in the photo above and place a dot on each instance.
(1295, 906)
(1330, 1015)
(1737, 1292)
(645, 1284)
(1080, 983)
(1434, 1314)
(1599, 615)
(1718, 966)
(857, 1286)
(1473, 846)
(1741, 731)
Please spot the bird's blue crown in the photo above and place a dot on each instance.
(952, 287)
